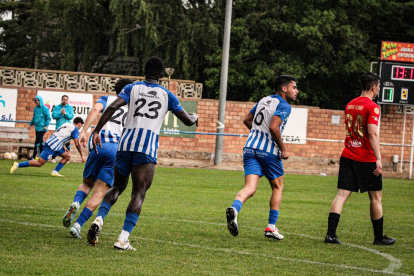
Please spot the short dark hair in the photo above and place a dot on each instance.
(154, 68)
(78, 120)
(65, 96)
(120, 84)
(368, 80)
(283, 80)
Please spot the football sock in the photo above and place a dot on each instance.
(130, 221)
(273, 216)
(59, 167)
(333, 221)
(237, 204)
(104, 209)
(378, 226)
(84, 216)
(80, 197)
(24, 164)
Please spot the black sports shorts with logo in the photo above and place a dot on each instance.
(354, 176)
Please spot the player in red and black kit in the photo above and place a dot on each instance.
(360, 166)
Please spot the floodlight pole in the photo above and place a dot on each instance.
(223, 84)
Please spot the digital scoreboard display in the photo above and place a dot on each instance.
(397, 83)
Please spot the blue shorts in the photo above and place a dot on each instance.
(262, 163)
(101, 165)
(48, 152)
(126, 159)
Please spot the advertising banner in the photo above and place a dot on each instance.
(8, 103)
(172, 123)
(82, 103)
(296, 127)
(397, 51)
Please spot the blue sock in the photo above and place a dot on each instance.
(273, 215)
(24, 164)
(130, 221)
(237, 204)
(59, 166)
(84, 216)
(80, 197)
(104, 209)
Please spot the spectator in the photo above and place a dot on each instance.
(62, 113)
(41, 120)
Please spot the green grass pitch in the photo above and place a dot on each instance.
(182, 228)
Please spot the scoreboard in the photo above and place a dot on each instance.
(397, 83)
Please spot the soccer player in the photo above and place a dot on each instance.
(98, 174)
(360, 167)
(148, 102)
(264, 151)
(55, 146)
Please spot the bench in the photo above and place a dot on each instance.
(14, 137)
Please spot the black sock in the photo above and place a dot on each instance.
(35, 151)
(378, 226)
(333, 221)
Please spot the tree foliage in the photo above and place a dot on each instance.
(325, 44)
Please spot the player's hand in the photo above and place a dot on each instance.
(96, 140)
(82, 138)
(63, 111)
(378, 170)
(284, 154)
(193, 117)
(66, 150)
(83, 159)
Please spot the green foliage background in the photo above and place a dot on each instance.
(325, 44)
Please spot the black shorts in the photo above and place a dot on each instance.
(354, 176)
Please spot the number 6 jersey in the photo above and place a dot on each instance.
(263, 112)
(148, 103)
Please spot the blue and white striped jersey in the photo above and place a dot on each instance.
(263, 112)
(62, 136)
(148, 103)
(112, 130)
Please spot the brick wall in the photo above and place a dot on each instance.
(319, 127)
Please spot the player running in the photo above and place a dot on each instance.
(148, 103)
(264, 151)
(55, 146)
(360, 167)
(98, 174)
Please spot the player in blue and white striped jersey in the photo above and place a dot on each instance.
(98, 174)
(55, 146)
(264, 151)
(148, 103)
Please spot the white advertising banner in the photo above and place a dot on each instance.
(82, 103)
(8, 103)
(295, 129)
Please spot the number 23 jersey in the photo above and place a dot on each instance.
(263, 112)
(148, 103)
(359, 113)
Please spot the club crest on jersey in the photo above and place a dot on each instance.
(355, 144)
(376, 110)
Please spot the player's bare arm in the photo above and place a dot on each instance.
(274, 129)
(93, 114)
(248, 120)
(79, 148)
(188, 119)
(374, 140)
(109, 111)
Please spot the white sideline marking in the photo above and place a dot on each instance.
(395, 263)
